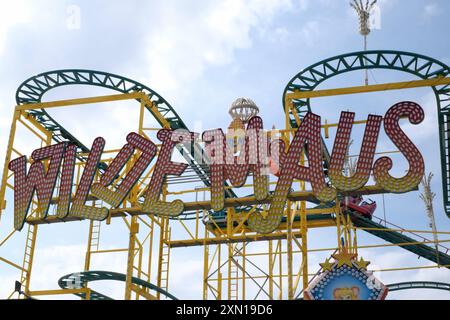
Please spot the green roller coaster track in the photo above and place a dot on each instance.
(380, 230)
(398, 238)
(419, 65)
(33, 89)
(80, 280)
(418, 285)
(415, 285)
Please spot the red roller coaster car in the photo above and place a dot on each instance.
(356, 204)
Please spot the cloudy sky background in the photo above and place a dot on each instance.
(200, 56)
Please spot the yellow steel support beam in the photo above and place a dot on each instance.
(151, 106)
(12, 264)
(248, 201)
(224, 235)
(110, 251)
(225, 240)
(206, 205)
(410, 268)
(304, 244)
(271, 266)
(370, 88)
(87, 258)
(12, 134)
(80, 101)
(252, 237)
(7, 237)
(134, 230)
(164, 225)
(59, 292)
(36, 124)
(142, 292)
(289, 221)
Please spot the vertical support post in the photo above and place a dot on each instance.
(160, 253)
(87, 259)
(348, 233)
(366, 79)
(28, 264)
(230, 222)
(205, 266)
(230, 258)
(134, 230)
(150, 249)
(141, 118)
(244, 251)
(30, 245)
(12, 134)
(355, 240)
(304, 233)
(197, 221)
(338, 224)
(289, 251)
(219, 275)
(280, 267)
(88, 294)
(271, 265)
(164, 225)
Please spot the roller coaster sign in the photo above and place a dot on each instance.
(55, 165)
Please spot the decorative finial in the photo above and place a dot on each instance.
(363, 12)
(243, 109)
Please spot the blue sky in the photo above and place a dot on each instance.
(202, 55)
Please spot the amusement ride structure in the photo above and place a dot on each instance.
(274, 265)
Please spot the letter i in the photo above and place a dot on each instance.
(65, 187)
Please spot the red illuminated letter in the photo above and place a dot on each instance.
(65, 188)
(367, 153)
(309, 130)
(416, 164)
(224, 165)
(79, 209)
(164, 166)
(115, 198)
(36, 180)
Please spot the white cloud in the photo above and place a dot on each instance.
(429, 126)
(304, 4)
(397, 258)
(53, 262)
(186, 276)
(12, 13)
(7, 283)
(431, 10)
(310, 33)
(186, 270)
(206, 36)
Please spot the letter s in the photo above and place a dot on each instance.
(407, 148)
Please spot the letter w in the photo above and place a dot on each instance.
(36, 180)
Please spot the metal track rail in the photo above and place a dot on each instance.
(418, 65)
(32, 91)
(81, 279)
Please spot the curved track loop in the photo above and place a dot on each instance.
(418, 285)
(419, 65)
(32, 91)
(80, 280)
(415, 285)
